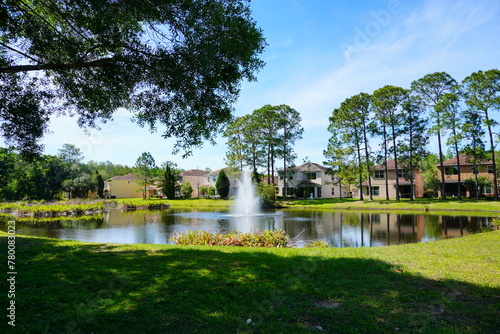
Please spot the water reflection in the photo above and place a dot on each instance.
(337, 228)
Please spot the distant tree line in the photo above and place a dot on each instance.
(53, 176)
(404, 119)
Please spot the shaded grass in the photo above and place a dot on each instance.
(450, 286)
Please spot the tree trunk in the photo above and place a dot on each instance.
(340, 187)
(268, 164)
(385, 165)
(360, 173)
(395, 161)
(495, 183)
(443, 188)
(458, 166)
(272, 164)
(284, 171)
(367, 157)
(410, 168)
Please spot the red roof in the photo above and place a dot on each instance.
(123, 177)
(390, 165)
(193, 172)
(464, 160)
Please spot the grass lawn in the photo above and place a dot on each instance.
(420, 204)
(449, 286)
(181, 203)
(318, 204)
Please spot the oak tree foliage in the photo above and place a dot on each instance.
(176, 65)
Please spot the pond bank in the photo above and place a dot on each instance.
(84, 207)
(418, 205)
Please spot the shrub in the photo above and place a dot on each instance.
(267, 194)
(317, 244)
(495, 222)
(222, 184)
(277, 238)
(186, 189)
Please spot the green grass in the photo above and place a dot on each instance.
(37, 209)
(317, 204)
(180, 203)
(449, 286)
(420, 204)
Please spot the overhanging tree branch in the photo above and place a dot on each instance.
(103, 62)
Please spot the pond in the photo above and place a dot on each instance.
(337, 228)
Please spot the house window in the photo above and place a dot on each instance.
(403, 174)
(128, 182)
(475, 170)
(490, 169)
(451, 171)
(310, 176)
(333, 191)
(379, 174)
(289, 176)
(375, 191)
(487, 189)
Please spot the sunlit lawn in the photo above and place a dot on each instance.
(449, 286)
(333, 204)
(404, 204)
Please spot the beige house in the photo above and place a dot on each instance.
(468, 170)
(126, 186)
(405, 187)
(196, 178)
(311, 180)
(211, 180)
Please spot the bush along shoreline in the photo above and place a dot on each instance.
(74, 208)
(56, 209)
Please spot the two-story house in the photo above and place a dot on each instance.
(211, 180)
(196, 178)
(468, 171)
(311, 180)
(127, 186)
(406, 188)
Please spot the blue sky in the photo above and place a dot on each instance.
(321, 52)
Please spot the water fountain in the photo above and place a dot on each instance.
(247, 202)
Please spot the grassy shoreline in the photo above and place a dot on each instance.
(97, 206)
(448, 286)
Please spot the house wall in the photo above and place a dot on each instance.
(418, 184)
(322, 179)
(211, 180)
(466, 172)
(123, 189)
(196, 182)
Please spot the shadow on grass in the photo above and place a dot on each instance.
(107, 289)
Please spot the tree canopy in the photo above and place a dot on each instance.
(175, 64)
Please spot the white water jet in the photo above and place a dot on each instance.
(247, 202)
